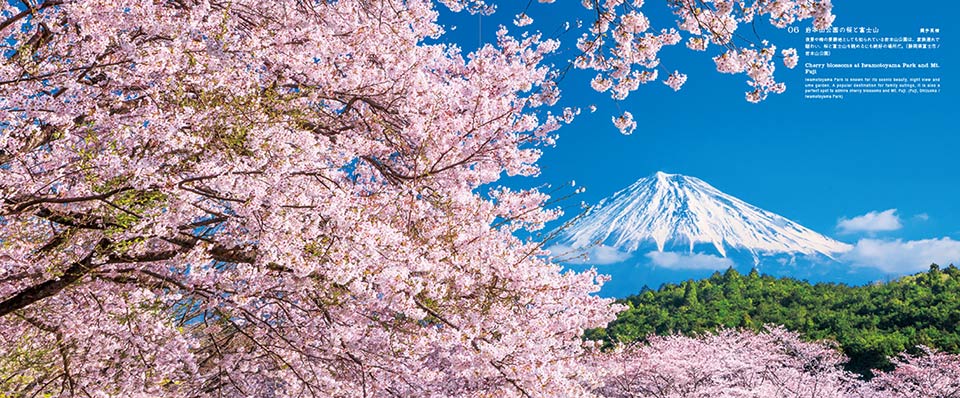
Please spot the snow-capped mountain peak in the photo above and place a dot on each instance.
(676, 210)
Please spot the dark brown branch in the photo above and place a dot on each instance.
(236, 254)
(13, 206)
(510, 380)
(28, 11)
(77, 220)
(85, 68)
(203, 223)
(233, 254)
(80, 268)
(143, 258)
(47, 135)
(53, 286)
(434, 314)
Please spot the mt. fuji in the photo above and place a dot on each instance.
(677, 213)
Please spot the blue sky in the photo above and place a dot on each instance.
(812, 161)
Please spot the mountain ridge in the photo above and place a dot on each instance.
(672, 209)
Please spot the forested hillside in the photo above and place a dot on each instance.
(870, 322)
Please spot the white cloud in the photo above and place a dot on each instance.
(903, 257)
(597, 255)
(606, 255)
(886, 220)
(689, 261)
(922, 216)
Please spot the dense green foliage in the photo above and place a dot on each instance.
(870, 322)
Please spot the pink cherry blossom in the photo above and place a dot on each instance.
(623, 46)
(291, 198)
(729, 363)
(758, 65)
(790, 57)
(522, 19)
(625, 123)
(930, 374)
(675, 80)
(278, 199)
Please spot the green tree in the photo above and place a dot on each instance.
(871, 323)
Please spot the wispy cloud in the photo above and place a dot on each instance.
(874, 221)
(597, 255)
(903, 257)
(607, 255)
(674, 260)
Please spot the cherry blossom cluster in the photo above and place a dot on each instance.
(625, 123)
(717, 21)
(790, 57)
(771, 364)
(623, 46)
(758, 66)
(292, 198)
(728, 363)
(276, 199)
(929, 374)
(676, 80)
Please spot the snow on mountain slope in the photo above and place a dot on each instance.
(676, 210)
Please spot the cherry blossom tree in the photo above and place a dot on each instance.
(623, 46)
(729, 363)
(290, 198)
(771, 364)
(932, 374)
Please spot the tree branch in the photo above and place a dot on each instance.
(53, 286)
(82, 267)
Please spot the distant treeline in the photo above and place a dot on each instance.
(871, 323)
